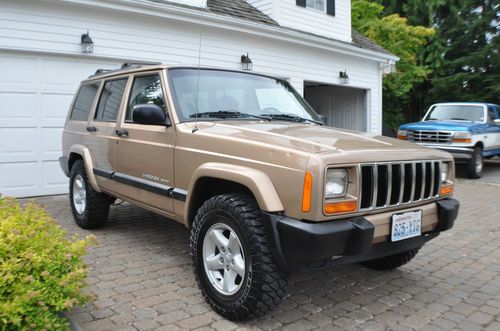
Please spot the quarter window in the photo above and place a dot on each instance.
(145, 89)
(84, 101)
(316, 4)
(109, 103)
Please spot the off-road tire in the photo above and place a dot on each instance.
(392, 261)
(97, 204)
(264, 283)
(472, 170)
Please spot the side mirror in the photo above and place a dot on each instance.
(497, 121)
(150, 114)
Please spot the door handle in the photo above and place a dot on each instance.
(91, 129)
(122, 133)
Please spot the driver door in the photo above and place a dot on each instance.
(144, 153)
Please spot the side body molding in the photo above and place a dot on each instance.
(255, 180)
(89, 166)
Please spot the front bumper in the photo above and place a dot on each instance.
(301, 247)
(460, 154)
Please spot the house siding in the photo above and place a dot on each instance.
(287, 13)
(56, 28)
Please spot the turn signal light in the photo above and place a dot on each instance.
(306, 193)
(402, 137)
(460, 140)
(445, 190)
(340, 207)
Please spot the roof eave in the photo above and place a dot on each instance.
(202, 17)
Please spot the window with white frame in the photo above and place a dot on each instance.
(316, 4)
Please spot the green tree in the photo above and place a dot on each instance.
(402, 39)
(465, 55)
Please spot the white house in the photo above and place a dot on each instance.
(308, 42)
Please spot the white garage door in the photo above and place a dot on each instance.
(35, 93)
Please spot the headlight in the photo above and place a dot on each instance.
(444, 172)
(402, 134)
(336, 183)
(462, 137)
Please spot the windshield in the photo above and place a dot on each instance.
(226, 94)
(468, 113)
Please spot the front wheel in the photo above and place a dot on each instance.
(475, 164)
(232, 260)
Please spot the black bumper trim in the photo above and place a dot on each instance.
(303, 246)
(63, 162)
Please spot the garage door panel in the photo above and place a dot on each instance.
(17, 141)
(17, 109)
(18, 73)
(52, 176)
(54, 108)
(51, 140)
(35, 95)
(18, 178)
(59, 76)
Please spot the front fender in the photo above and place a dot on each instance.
(87, 160)
(255, 180)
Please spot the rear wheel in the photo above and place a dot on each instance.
(392, 261)
(90, 208)
(232, 261)
(475, 164)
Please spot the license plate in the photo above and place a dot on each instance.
(406, 225)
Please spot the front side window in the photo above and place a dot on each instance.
(466, 113)
(145, 90)
(316, 4)
(219, 94)
(492, 115)
(84, 101)
(111, 98)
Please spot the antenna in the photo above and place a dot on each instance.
(198, 73)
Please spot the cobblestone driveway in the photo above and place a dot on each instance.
(140, 275)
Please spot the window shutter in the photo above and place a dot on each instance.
(330, 7)
(301, 3)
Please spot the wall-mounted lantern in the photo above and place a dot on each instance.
(246, 63)
(87, 43)
(343, 77)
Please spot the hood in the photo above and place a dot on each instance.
(440, 125)
(300, 136)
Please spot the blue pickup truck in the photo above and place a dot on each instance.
(469, 131)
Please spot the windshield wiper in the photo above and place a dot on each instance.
(227, 114)
(291, 118)
(459, 119)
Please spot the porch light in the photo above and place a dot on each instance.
(343, 77)
(87, 43)
(246, 63)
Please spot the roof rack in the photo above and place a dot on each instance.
(126, 65)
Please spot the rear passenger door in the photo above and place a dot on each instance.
(102, 130)
(144, 153)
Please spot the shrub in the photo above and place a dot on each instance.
(42, 272)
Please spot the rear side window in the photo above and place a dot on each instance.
(111, 98)
(84, 101)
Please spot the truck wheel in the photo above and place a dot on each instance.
(90, 208)
(391, 261)
(232, 260)
(475, 164)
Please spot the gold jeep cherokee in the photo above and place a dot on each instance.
(245, 163)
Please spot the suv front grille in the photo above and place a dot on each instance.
(395, 183)
(439, 137)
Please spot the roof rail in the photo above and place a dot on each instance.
(126, 65)
(137, 64)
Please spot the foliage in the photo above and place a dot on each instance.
(396, 35)
(465, 54)
(41, 271)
